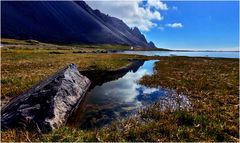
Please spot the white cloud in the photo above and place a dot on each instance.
(174, 25)
(161, 28)
(157, 4)
(133, 13)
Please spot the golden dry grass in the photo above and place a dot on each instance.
(23, 68)
(213, 87)
(211, 84)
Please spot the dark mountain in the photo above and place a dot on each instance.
(151, 44)
(66, 22)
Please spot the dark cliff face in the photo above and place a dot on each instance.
(65, 22)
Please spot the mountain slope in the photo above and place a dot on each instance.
(66, 22)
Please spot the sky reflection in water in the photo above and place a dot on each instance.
(119, 98)
(126, 90)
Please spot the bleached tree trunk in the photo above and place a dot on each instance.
(47, 105)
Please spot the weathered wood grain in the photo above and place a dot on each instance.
(47, 105)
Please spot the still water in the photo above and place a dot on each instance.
(190, 54)
(119, 98)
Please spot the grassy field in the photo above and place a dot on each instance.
(212, 85)
(33, 44)
(30, 44)
(23, 68)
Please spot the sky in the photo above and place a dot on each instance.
(189, 25)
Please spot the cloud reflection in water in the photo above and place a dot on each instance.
(119, 98)
(124, 90)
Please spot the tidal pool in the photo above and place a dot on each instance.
(120, 98)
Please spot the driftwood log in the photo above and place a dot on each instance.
(47, 105)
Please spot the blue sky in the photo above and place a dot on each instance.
(197, 25)
(205, 26)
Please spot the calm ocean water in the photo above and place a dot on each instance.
(190, 54)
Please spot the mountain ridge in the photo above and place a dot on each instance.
(66, 22)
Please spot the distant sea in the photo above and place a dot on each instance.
(213, 54)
